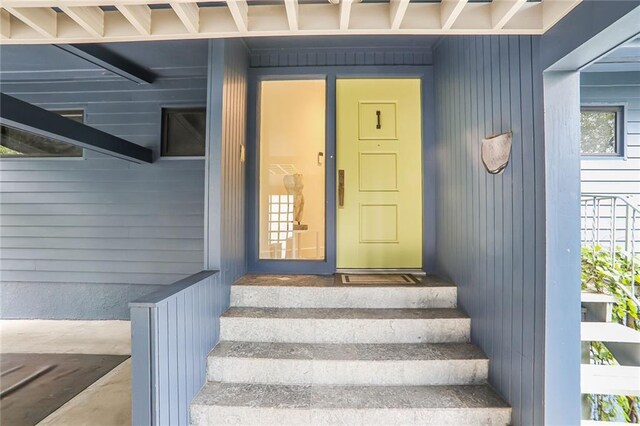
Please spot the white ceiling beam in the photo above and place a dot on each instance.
(91, 18)
(189, 14)
(240, 12)
(42, 19)
(138, 15)
(503, 10)
(397, 10)
(449, 12)
(345, 14)
(292, 14)
(5, 24)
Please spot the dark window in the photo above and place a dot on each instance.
(16, 143)
(183, 132)
(601, 129)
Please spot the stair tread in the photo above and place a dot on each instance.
(594, 297)
(608, 332)
(349, 351)
(610, 379)
(348, 397)
(428, 281)
(344, 313)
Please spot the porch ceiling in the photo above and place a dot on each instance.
(93, 21)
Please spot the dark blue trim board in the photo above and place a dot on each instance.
(330, 74)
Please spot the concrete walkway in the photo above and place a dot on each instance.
(108, 400)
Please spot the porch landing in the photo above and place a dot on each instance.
(327, 291)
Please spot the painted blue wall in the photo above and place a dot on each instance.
(81, 238)
(490, 228)
(614, 175)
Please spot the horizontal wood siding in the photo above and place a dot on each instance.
(490, 228)
(87, 224)
(620, 176)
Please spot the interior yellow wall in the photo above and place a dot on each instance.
(292, 131)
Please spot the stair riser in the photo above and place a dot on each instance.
(210, 415)
(351, 372)
(343, 297)
(344, 330)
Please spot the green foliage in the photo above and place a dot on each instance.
(598, 130)
(601, 272)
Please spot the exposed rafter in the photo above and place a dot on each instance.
(189, 14)
(138, 15)
(291, 7)
(89, 21)
(5, 24)
(345, 14)
(449, 12)
(240, 12)
(106, 59)
(397, 10)
(503, 10)
(30, 118)
(42, 19)
(91, 18)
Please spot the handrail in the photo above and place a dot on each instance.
(625, 200)
(593, 202)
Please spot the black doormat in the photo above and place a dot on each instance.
(32, 386)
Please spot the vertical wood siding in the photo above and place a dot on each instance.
(616, 175)
(490, 233)
(234, 128)
(173, 334)
(82, 237)
(171, 337)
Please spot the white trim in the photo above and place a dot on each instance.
(81, 21)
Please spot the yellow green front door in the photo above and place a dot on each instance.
(379, 162)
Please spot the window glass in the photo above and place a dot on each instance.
(600, 131)
(183, 132)
(19, 143)
(292, 169)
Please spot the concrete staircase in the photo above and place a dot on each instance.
(623, 343)
(303, 350)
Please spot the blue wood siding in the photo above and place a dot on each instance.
(82, 237)
(616, 175)
(172, 333)
(490, 228)
(340, 56)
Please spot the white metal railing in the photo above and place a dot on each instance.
(612, 223)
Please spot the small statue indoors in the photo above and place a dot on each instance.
(294, 186)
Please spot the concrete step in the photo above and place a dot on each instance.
(323, 292)
(610, 379)
(256, 404)
(348, 364)
(622, 341)
(345, 325)
(594, 297)
(599, 306)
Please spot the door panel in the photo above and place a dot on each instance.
(379, 151)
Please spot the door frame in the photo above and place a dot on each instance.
(330, 74)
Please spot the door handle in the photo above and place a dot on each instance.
(340, 188)
(378, 125)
